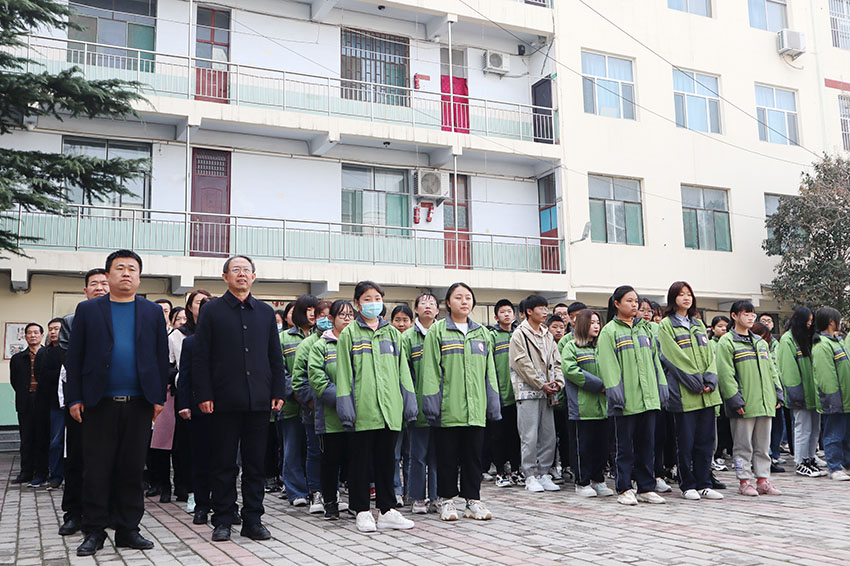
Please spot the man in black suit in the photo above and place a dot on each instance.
(237, 377)
(25, 383)
(117, 369)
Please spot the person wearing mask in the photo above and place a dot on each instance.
(23, 379)
(459, 394)
(280, 319)
(636, 389)
(402, 318)
(369, 359)
(505, 437)
(48, 365)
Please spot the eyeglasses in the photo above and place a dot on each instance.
(346, 316)
(238, 270)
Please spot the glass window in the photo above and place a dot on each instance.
(378, 58)
(705, 218)
(375, 198)
(696, 101)
(122, 23)
(776, 110)
(108, 149)
(839, 21)
(548, 202)
(844, 111)
(616, 212)
(608, 85)
(770, 15)
(698, 7)
(771, 207)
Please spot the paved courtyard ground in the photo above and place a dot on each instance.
(808, 525)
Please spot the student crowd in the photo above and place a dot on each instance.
(327, 397)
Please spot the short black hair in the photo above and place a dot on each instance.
(55, 319)
(555, 318)
(164, 302)
(502, 303)
(402, 309)
(338, 306)
(121, 253)
(246, 258)
(27, 327)
(422, 296)
(299, 311)
(575, 306)
(559, 305)
(532, 302)
(741, 306)
(92, 272)
(364, 286)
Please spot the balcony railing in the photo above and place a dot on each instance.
(230, 83)
(93, 228)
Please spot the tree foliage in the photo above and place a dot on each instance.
(811, 234)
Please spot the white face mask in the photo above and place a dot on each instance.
(280, 328)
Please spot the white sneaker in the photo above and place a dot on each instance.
(691, 495)
(650, 497)
(503, 481)
(820, 462)
(476, 510)
(448, 512)
(434, 506)
(627, 498)
(533, 484)
(399, 501)
(340, 504)
(317, 504)
(662, 486)
(190, 504)
(601, 489)
(547, 483)
(839, 475)
(299, 502)
(585, 491)
(486, 476)
(709, 493)
(366, 522)
(392, 519)
(419, 507)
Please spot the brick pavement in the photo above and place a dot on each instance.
(803, 527)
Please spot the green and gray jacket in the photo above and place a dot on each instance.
(373, 388)
(832, 375)
(321, 373)
(796, 375)
(565, 339)
(688, 363)
(584, 389)
(300, 380)
(412, 342)
(747, 376)
(501, 341)
(459, 376)
(289, 341)
(630, 368)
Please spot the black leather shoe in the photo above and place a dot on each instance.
(165, 497)
(716, 483)
(237, 519)
(255, 531)
(181, 495)
(22, 478)
(153, 491)
(70, 527)
(132, 540)
(776, 469)
(200, 518)
(221, 533)
(91, 544)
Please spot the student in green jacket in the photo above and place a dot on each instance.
(374, 396)
(572, 311)
(322, 378)
(688, 362)
(832, 379)
(751, 392)
(505, 438)
(636, 389)
(723, 439)
(587, 407)
(459, 394)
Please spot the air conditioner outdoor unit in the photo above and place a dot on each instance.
(790, 42)
(497, 62)
(431, 185)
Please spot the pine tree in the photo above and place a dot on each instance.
(35, 180)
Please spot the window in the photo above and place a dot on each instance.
(698, 7)
(771, 207)
(777, 115)
(844, 109)
(212, 37)
(770, 15)
(122, 23)
(375, 198)
(705, 213)
(547, 196)
(609, 85)
(696, 97)
(616, 214)
(108, 149)
(839, 21)
(379, 58)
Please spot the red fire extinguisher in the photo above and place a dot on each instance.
(416, 214)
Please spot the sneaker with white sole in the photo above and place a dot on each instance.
(433, 506)
(392, 519)
(518, 479)
(419, 507)
(503, 481)
(299, 502)
(547, 483)
(839, 475)
(651, 497)
(691, 495)
(627, 498)
(365, 522)
(190, 504)
(601, 489)
(317, 504)
(821, 463)
(719, 465)
(816, 469)
(585, 491)
(476, 510)
(709, 493)
(533, 484)
(340, 504)
(662, 486)
(448, 511)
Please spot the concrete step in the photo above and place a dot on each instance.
(10, 441)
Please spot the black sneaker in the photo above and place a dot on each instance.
(54, 484)
(716, 483)
(37, 482)
(776, 468)
(332, 511)
(22, 478)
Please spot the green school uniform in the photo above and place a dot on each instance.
(688, 363)
(747, 376)
(584, 388)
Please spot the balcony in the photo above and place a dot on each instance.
(97, 228)
(161, 74)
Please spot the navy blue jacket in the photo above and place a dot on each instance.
(90, 352)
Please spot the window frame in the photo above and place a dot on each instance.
(699, 214)
(707, 98)
(839, 23)
(763, 117)
(547, 207)
(767, 214)
(609, 204)
(362, 227)
(687, 9)
(382, 66)
(126, 56)
(844, 117)
(591, 81)
(767, 21)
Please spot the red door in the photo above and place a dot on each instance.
(456, 220)
(212, 49)
(210, 197)
(455, 114)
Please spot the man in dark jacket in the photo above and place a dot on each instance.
(237, 377)
(117, 366)
(24, 382)
(48, 364)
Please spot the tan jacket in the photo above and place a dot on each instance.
(535, 361)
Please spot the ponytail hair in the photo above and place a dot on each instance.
(617, 296)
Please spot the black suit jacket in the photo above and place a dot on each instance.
(48, 365)
(237, 361)
(185, 398)
(90, 352)
(19, 378)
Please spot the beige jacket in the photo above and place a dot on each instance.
(535, 361)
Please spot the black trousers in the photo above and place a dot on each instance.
(591, 440)
(273, 460)
(159, 465)
(245, 432)
(371, 454)
(115, 441)
(724, 435)
(334, 453)
(459, 446)
(72, 502)
(201, 430)
(505, 441)
(695, 447)
(562, 437)
(665, 443)
(28, 429)
(634, 451)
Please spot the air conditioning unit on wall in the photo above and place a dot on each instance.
(430, 185)
(497, 62)
(790, 42)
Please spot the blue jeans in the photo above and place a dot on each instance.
(314, 459)
(293, 464)
(836, 441)
(56, 451)
(777, 431)
(423, 458)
